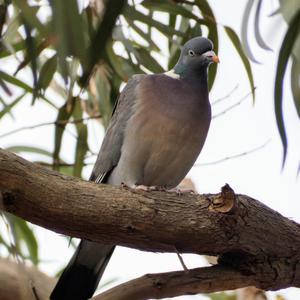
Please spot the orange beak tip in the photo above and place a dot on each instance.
(215, 59)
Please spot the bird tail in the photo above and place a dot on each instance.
(80, 278)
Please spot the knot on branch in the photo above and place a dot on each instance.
(225, 202)
(6, 199)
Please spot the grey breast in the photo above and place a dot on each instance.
(164, 135)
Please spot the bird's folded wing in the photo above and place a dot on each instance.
(110, 151)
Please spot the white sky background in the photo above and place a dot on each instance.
(246, 127)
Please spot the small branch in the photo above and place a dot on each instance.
(226, 96)
(232, 156)
(232, 106)
(58, 123)
(172, 284)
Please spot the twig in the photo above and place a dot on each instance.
(232, 156)
(226, 96)
(185, 268)
(233, 105)
(58, 123)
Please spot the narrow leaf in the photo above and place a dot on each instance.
(237, 44)
(130, 12)
(244, 35)
(295, 83)
(29, 149)
(10, 106)
(284, 54)
(143, 35)
(97, 49)
(259, 39)
(29, 13)
(213, 35)
(148, 61)
(64, 114)
(21, 84)
(31, 53)
(25, 234)
(5, 88)
(46, 73)
(82, 143)
(70, 30)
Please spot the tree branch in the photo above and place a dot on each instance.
(251, 240)
(172, 284)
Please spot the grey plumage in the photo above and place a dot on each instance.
(156, 133)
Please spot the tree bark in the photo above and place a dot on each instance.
(256, 243)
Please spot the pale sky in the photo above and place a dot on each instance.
(243, 128)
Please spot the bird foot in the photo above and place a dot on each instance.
(145, 188)
(179, 191)
(141, 187)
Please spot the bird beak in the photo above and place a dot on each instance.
(212, 56)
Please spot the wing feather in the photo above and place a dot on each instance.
(110, 151)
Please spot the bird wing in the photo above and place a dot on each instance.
(110, 151)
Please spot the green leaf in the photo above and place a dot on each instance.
(68, 25)
(3, 11)
(169, 7)
(103, 90)
(17, 82)
(295, 85)
(5, 88)
(284, 54)
(244, 37)
(130, 12)
(259, 39)
(25, 234)
(9, 107)
(29, 14)
(82, 143)
(11, 49)
(237, 44)
(31, 53)
(64, 114)
(174, 45)
(208, 14)
(42, 45)
(148, 61)
(103, 33)
(46, 73)
(29, 149)
(13, 80)
(145, 36)
(121, 66)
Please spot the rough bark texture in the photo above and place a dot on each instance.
(257, 244)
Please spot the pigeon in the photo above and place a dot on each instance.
(156, 132)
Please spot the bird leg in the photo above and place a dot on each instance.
(185, 268)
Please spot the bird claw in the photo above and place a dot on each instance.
(145, 188)
(179, 191)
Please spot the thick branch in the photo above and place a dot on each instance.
(247, 235)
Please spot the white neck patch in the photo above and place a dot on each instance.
(172, 74)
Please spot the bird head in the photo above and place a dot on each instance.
(196, 55)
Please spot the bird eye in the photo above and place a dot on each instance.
(191, 52)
